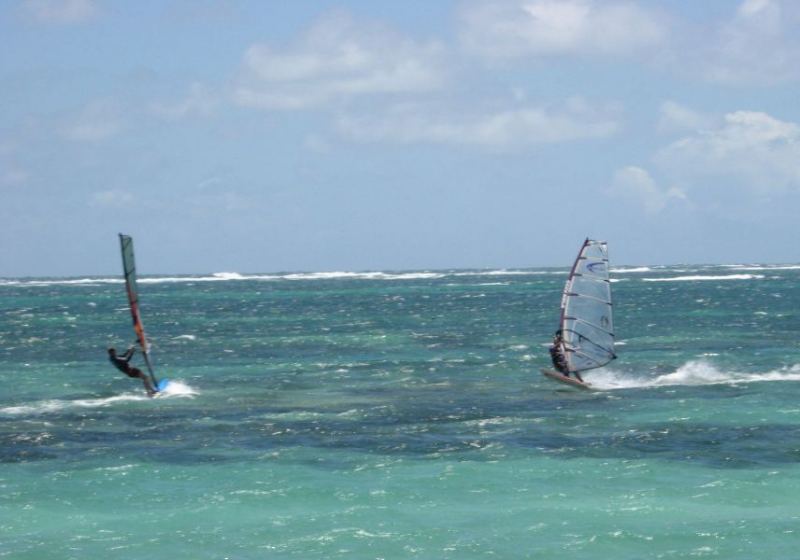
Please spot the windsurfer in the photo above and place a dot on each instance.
(558, 357)
(122, 363)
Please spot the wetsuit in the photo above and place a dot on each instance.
(559, 362)
(121, 363)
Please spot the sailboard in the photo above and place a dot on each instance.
(561, 378)
(129, 271)
(586, 323)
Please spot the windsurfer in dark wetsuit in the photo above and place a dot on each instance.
(121, 363)
(558, 357)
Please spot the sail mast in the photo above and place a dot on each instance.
(568, 284)
(129, 271)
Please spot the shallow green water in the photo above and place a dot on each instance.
(401, 415)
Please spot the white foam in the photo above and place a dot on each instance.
(766, 267)
(235, 276)
(62, 282)
(178, 389)
(185, 337)
(216, 277)
(228, 276)
(55, 405)
(692, 373)
(700, 277)
(631, 270)
(363, 276)
(174, 389)
(505, 272)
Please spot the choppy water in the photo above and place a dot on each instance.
(401, 415)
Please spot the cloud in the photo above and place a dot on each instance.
(501, 130)
(318, 144)
(636, 184)
(112, 199)
(678, 118)
(61, 12)
(97, 121)
(748, 148)
(758, 45)
(538, 28)
(11, 173)
(337, 59)
(199, 102)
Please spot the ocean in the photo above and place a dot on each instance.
(401, 415)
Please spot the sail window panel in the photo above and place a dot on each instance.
(592, 268)
(590, 311)
(579, 333)
(128, 263)
(591, 287)
(595, 250)
(587, 347)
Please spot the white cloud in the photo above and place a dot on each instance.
(199, 102)
(519, 28)
(748, 148)
(337, 58)
(758, 45)
(112, 199)
(12, 175)
(62, 12)
(213, 203)
(636, 184)
(501, 130)
(675, 117)
(98, 121)
(318, 144)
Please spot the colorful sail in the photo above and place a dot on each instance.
(586, 318)
(129, 270)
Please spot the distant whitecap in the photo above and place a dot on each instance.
(699, 278)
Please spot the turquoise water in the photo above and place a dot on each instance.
(401, 415)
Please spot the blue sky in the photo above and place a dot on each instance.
(360, 135)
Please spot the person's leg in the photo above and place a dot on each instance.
(148, 385)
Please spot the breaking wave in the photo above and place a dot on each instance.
(690, 274)
(300, 276)
(362, 276)
(699, 277)
(765, 267)
(632, 270)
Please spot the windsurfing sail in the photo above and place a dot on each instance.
(586, 320)
(129, 269)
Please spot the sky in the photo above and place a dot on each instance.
(249, 136)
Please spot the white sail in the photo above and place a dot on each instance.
(586, 319)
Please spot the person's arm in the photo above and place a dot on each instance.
(128, 354)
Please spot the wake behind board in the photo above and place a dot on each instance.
(555, 376)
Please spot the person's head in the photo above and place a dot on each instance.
(557, 334)
(112, 351)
